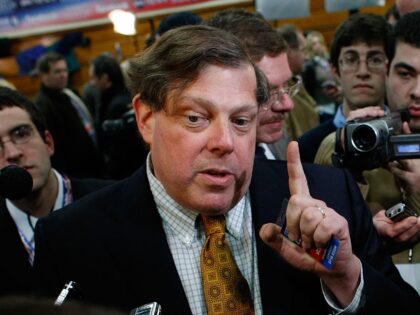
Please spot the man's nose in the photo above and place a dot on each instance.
(221, 137)
(11, 151)
(362, 69)
(285, 104)
(415, 92)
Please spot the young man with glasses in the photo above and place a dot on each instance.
(359, 56)
(383, 189)
(25, 141)
(269, 52)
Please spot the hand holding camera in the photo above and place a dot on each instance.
(399, 224)
(407, 171)
(366, 143)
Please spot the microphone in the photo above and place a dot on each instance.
(113, 126)
(15, 182)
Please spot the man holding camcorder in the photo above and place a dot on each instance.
(399, 181)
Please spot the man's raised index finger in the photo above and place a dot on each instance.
(297, 178)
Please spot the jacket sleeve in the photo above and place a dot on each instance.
(385, 292)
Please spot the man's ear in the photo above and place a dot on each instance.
(49, 141)
(335, 71)
(145, 119)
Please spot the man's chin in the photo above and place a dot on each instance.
(270, 137)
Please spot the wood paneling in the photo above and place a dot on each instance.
(103, 39)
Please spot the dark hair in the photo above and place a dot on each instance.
(105, 64)
(177, 20)
(179, 57)
(44, 62)
(258, 36)
(289, 33)
(12, 98)
(392, 11)
(368, 28)
(407, 30)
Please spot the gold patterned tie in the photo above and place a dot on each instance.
(225, 289)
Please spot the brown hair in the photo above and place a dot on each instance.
(258, 36)
(43, 64)
(179, 57)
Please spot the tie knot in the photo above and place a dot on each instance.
(214, 224)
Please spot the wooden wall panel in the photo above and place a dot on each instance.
(103, 39)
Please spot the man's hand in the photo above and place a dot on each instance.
(314, 227)
(404, 231)
(407, 170)
(366, 112)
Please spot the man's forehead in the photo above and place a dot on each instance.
(59, 64)
(408, 55)
(204, 89)
(12, 117)
(403, 48)
(276, 69)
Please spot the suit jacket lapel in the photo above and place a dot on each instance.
(14, 262)
(140, 223)
(269, 187)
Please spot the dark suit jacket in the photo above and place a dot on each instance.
(113, 245)
(310, 141)
(74, 151)
(15, 270)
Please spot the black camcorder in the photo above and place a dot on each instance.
(372, 143)
(117, 126)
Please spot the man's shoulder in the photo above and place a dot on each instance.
(322, 130)
(114, 198)
(326, 150)
(81, 187)
(266, 170)
(310, 141)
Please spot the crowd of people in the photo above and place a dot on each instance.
(212, 176)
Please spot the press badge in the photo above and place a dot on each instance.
(325, 256)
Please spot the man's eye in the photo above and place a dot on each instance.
(351, 59)
(403, 74)
(376, 60)
(241, 122)
(193, 118)
(21, 132)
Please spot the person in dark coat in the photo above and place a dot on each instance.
(197, 96)
(69, 121)
(120, 141)
(26, 142)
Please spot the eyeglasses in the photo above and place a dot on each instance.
(19, 135)
(290, 88)
(374, 63)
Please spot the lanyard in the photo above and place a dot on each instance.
(67, 198)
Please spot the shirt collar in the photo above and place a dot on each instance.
(184, 221)
(339, 118)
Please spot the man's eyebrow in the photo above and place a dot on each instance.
(368, 53)
(405, 65)
(207, 103)
(17, 127)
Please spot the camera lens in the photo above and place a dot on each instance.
(364, 138)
